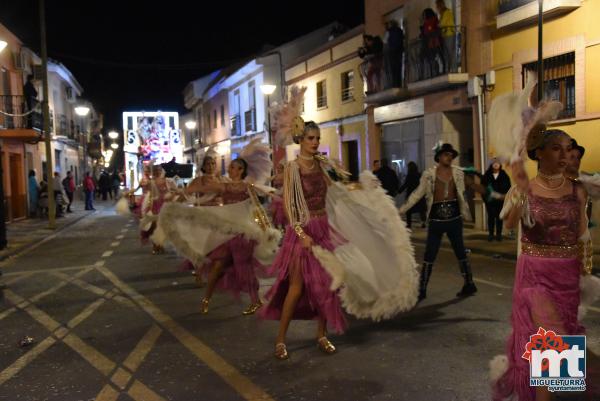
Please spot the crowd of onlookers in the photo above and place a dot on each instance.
(435, 51)
(103, 186)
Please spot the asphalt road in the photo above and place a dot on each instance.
(113, 322)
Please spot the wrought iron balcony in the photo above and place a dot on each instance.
(236, 125)
(16, 115)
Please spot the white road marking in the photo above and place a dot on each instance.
(504, 287)
(115, 244)
(107, 254)
(120, 236)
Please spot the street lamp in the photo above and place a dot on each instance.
(114, 145)
(190, 124)
(268, 90)
(3, 241)
(113, 135)
(82, 111)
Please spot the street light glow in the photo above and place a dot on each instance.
(190, 124)
(113, 135)
(114, 145)
(82, 110)
(3, 44)
(268, 89)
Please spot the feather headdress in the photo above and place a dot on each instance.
(285, 117)
(257, 156)
(514, 126)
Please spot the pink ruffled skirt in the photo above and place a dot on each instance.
(278, 213)
(240, 268)
(317, 300)
(545, 294)
(156, 206)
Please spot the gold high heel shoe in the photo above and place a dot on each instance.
(204, 306)
(325, 345)
(281, 351)
(252, 308)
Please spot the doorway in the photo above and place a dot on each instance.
(18, 197)
(350, 158)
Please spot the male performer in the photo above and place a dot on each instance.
(443, 187)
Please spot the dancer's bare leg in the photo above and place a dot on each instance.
(213, 278)
(289, 305)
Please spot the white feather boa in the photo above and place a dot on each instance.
(376, 270)
(195, 231)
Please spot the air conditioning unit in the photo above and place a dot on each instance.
(19, 60)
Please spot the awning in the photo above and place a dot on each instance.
(22, 134)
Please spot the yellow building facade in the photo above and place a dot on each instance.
(571, 48)
(334, 99)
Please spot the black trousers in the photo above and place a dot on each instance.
(453, 229)
(70, 198)
(494, 222)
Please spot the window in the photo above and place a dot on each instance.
(214, 118)
(251, 95)
(321, 95)
(347, 86)
(559, 81)
(208, 122)
(222, 115)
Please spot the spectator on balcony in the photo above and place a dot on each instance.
(34, 190)
(393, 53)
(30, 94)
(372, 53)
(431, 45)
(448, 29)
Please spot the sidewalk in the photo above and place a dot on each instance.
(23, 234)
(477, 242)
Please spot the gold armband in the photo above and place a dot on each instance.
(299, 231)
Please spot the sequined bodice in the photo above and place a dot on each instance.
(314, 187)
(234, 193)
(556, 220)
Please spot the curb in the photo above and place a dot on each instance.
(25, 248)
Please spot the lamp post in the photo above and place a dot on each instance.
(82, 112)
(3, 241)
(46, 112)
(268, 90)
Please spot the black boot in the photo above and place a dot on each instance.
(425, 275)
(469, 287)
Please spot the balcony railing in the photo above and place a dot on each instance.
(509, 5)
(437, 53)
(250, 120)
(348, 94)
(17, 106)
(236, 125)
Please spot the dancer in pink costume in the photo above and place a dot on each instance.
(153, 202)
(232, 265)
(210, 175)
(229, 242)
(302, 289)
(277, 210)
(344, 246)
(551, 212)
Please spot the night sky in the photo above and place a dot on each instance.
(133, 55)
